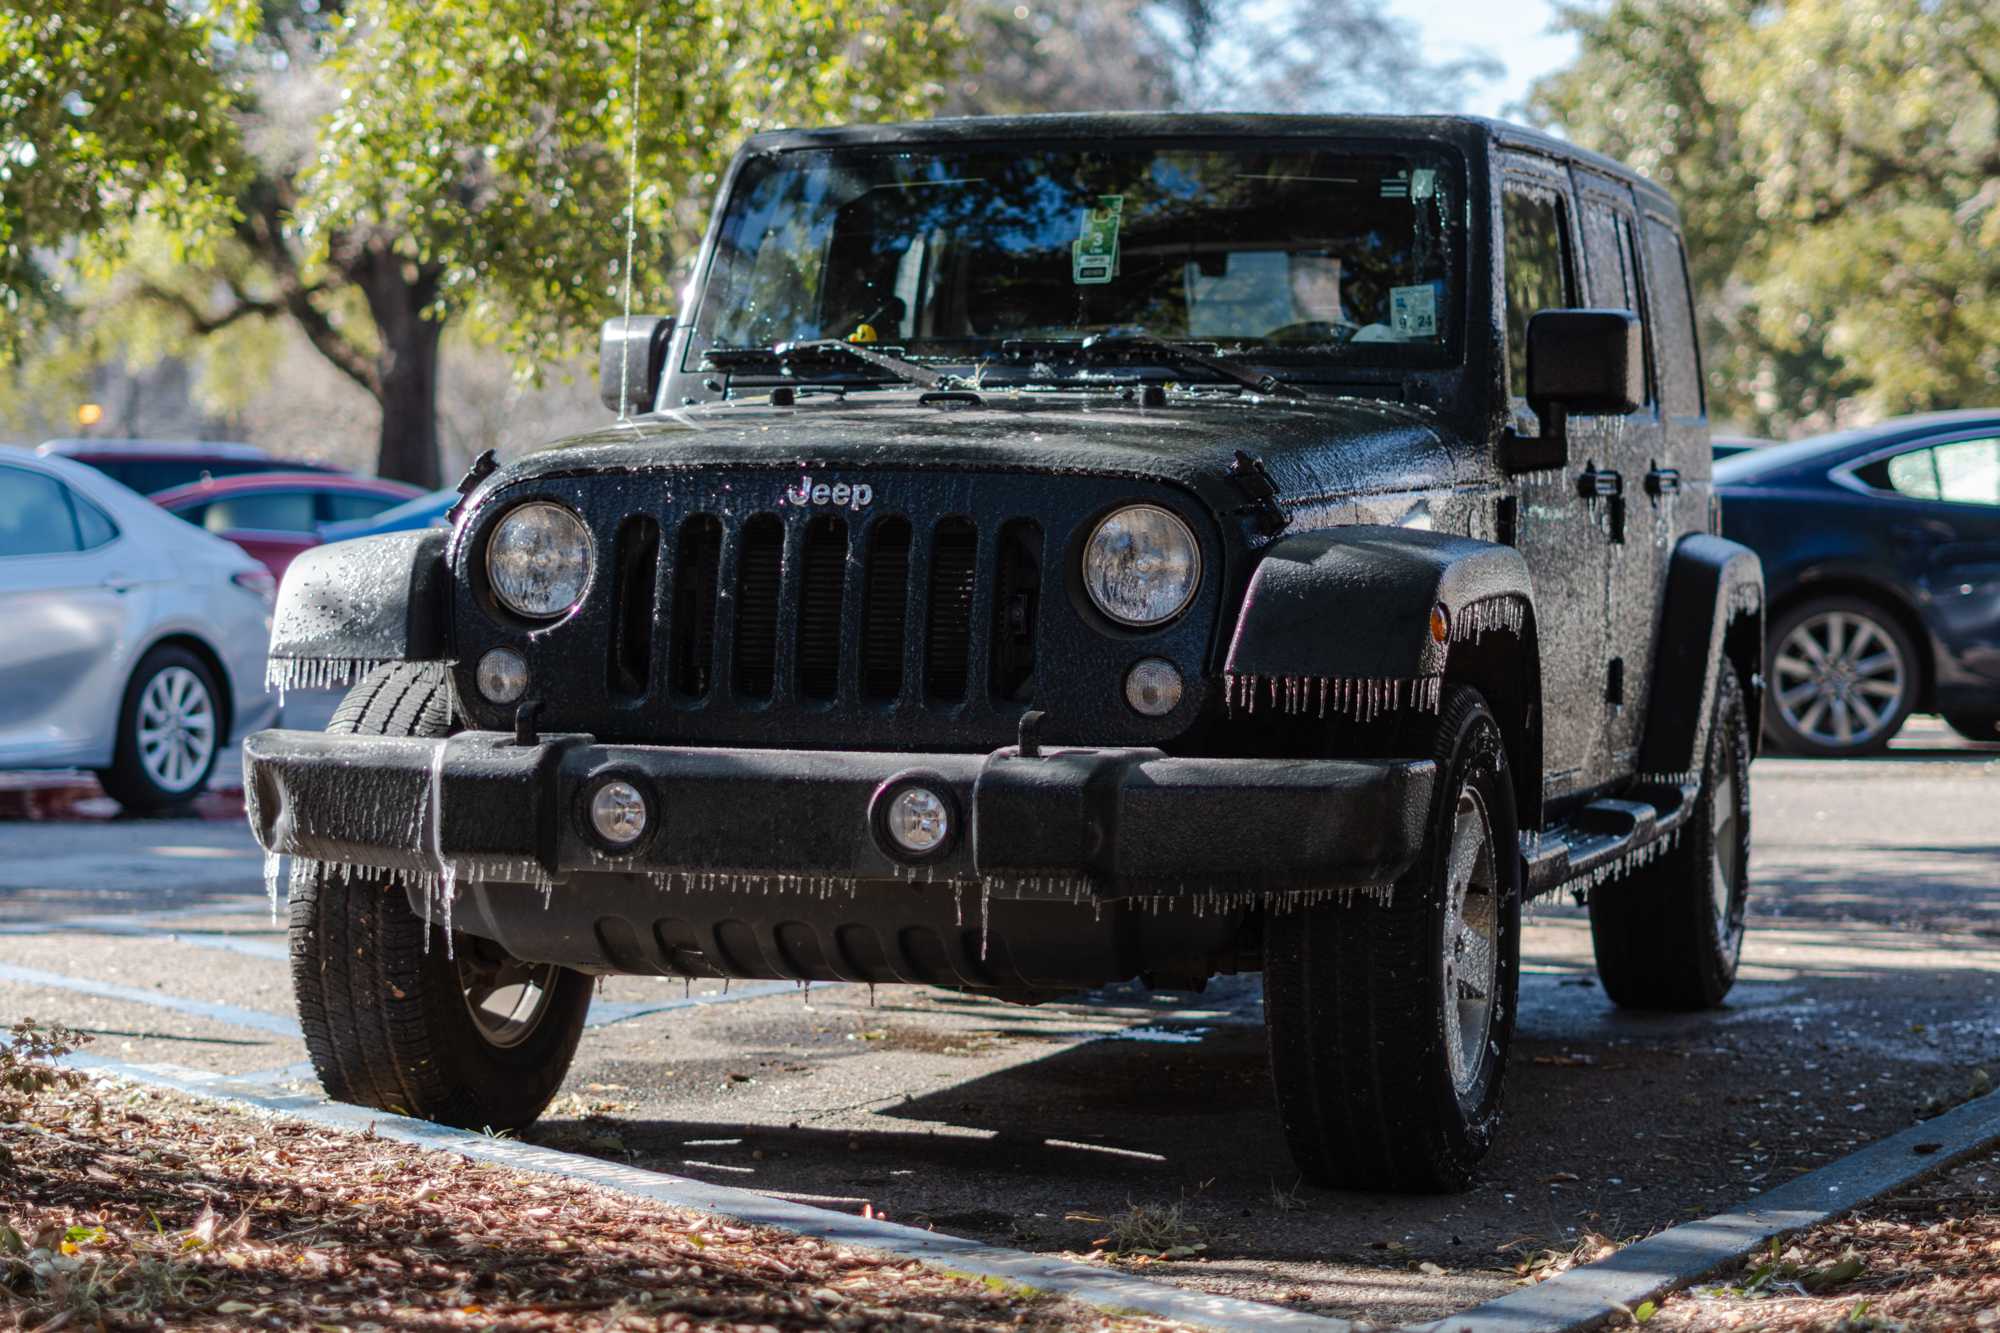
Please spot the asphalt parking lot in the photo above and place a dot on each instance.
(1871, 987)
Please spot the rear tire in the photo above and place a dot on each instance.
(169, 732)
(1975, 726)
(396, 1016)
(1390, 1022)
(1670, 935)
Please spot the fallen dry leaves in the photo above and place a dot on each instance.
(1926, 1260)
(142, 1209)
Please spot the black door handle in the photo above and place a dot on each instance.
(1598, 483)
(1663, 481)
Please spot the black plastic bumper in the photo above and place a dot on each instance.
(1112, 822)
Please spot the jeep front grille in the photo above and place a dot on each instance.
(929, 618)
(827, 608)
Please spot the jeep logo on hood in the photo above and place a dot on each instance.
(839, 494)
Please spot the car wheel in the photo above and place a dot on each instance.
(1975, 726)
(169, 732)
(1843, 678)
(398, 1016)
(1390, 1019)
(1669, 935)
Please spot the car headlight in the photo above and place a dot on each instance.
(1142, 565)
(538, 560)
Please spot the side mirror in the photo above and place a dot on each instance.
(631, 359)
(1583, 363)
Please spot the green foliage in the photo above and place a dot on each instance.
(490, 137)
(1838, 165)
(108, 108)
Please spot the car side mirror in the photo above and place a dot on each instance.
(631, 359)
(1580, 363)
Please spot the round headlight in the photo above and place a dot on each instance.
(1142, 565)
(538, 560)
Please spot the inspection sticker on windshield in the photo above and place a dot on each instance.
(1413, 311)
(1093, 258)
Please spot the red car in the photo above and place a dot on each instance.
(276, 515)
(152, 466)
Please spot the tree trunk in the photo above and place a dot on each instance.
(406, 366)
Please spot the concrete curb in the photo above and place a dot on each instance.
(1591, 1296)
(1107, 1289)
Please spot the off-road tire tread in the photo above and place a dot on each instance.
(1353, 1028)
(383, 1021)
(1651, 931)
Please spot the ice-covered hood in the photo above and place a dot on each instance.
(1312, 450)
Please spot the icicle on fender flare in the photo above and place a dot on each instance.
(352, 605)
(1713, 611)
(1340, 620)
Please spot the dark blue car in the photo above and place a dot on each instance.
(1881, 551)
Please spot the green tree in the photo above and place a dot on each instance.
(391, 165)
(1838, 166)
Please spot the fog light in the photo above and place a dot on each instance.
(618, 813)
(503, 676)
(918, 820)
(1153, 687)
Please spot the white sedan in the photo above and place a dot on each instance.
(131, 642)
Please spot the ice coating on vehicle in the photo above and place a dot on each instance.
(1061, 551)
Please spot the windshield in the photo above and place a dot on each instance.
(1292, 255)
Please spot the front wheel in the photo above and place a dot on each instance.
(399, 1015)
(1843, 679)
(1390, 1019)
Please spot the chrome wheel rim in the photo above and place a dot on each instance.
(176, 729)
(505, 996)
(1841, 679)
(1471, 941)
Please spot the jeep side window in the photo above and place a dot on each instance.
(1538, 270)
(1673, 310)
(1614, 271)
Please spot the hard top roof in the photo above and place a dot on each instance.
(1098, 125)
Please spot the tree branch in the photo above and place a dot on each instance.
(199, 321)
(261, 228)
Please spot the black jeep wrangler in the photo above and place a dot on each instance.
(1051, 551)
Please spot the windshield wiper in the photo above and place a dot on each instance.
(825, 353)
(1102, 348)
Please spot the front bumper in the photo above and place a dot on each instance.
(1107, 823)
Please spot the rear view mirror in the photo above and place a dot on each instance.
(1580, 363)
(631, 358)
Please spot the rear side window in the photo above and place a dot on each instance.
(34, 515)
(271, 511)
(1673, 321)
(93, 526)
(1614, 270)
(338, 506)
(1539, 270)
(1962, 472)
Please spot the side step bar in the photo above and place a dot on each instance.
(1595, 840)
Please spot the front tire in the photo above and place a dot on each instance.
(169, 732)
(397, 1016)
(1390, 1020)
(1670, 935)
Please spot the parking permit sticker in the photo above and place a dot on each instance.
(1413, 311)
(1094, 255)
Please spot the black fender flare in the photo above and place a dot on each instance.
(1714, 611)
(1340, 620)
(347, 607)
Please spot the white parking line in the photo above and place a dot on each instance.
(233, 1014)
(1096, 1286)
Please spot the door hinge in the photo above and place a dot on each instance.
(1247, 471)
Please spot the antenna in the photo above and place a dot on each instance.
(631, 231)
